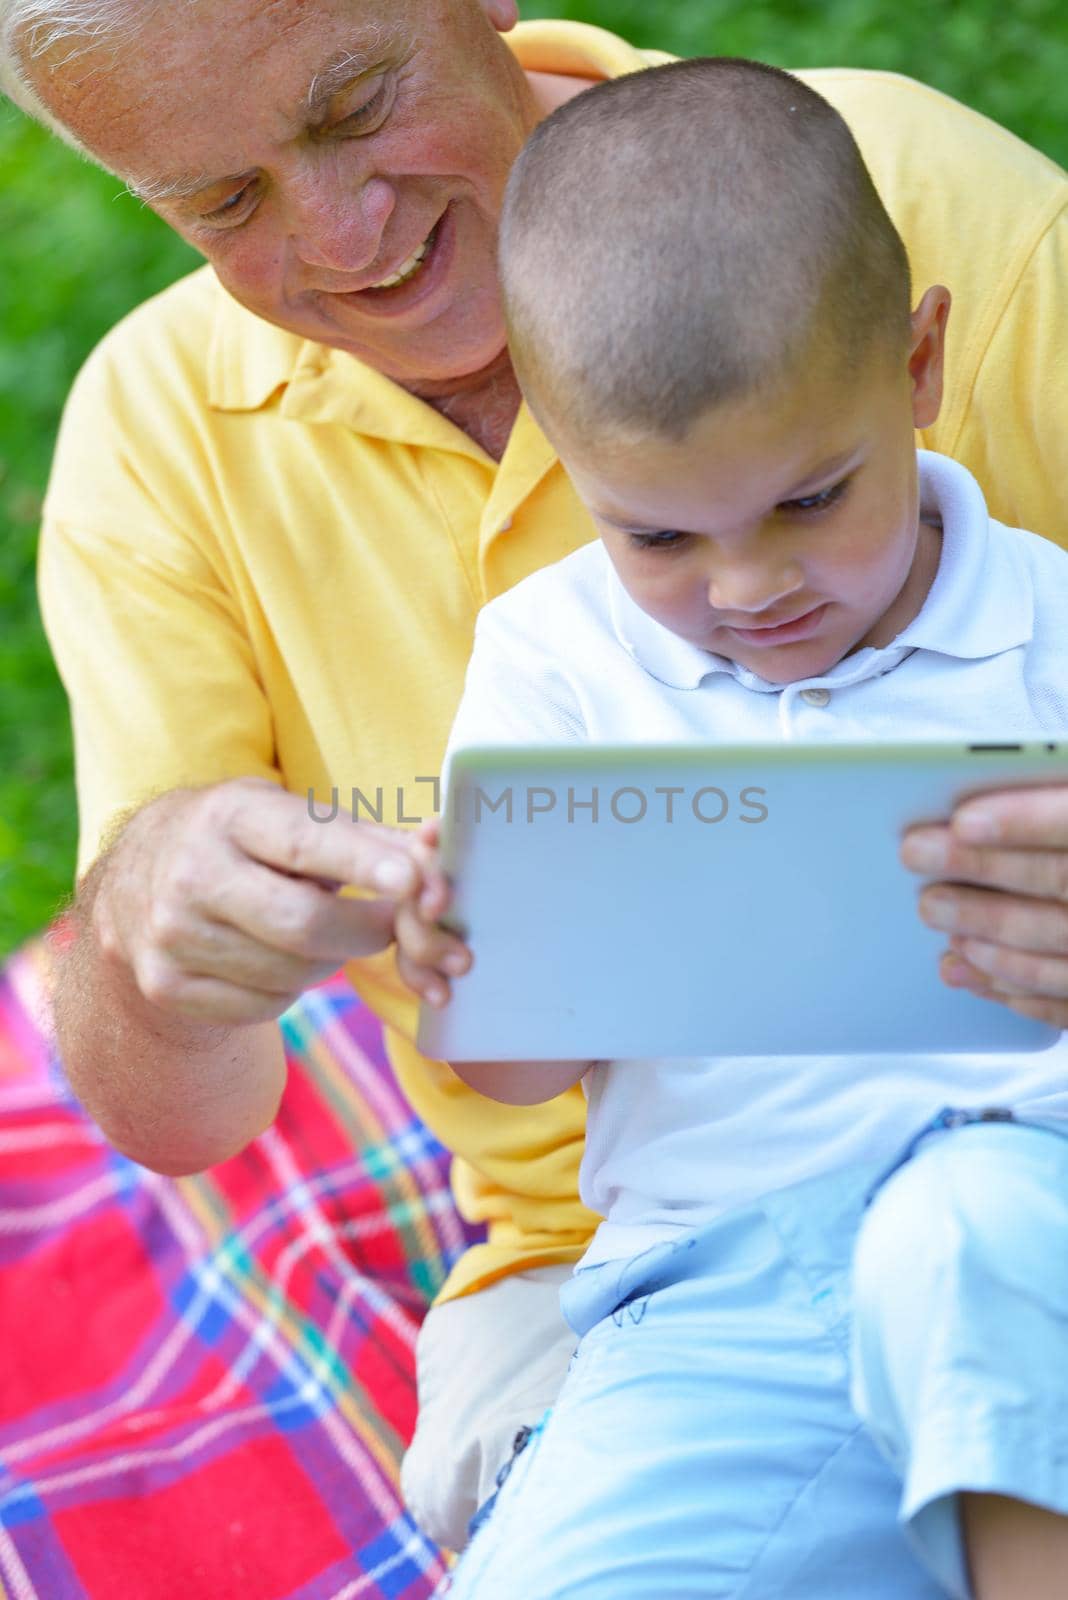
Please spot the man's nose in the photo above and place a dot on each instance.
(335, 228)
(750, 585)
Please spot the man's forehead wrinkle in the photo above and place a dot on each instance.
(86, 101)
(334, 75)
(136, 102)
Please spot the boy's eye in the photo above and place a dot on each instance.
(668, 540)
(810, 503)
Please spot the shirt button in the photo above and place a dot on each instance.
(506, 526)
(816, 697)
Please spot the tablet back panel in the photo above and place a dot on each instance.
(681, 901)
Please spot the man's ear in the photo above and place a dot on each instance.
(927, 353)
(504, 14)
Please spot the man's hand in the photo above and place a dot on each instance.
(427, 955)
(223, 902)
(1006, 907)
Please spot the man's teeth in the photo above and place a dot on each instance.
(407, 269)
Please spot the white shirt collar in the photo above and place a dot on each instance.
(979, 604)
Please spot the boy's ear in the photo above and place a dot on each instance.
(927, 355)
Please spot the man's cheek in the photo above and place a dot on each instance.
(253, 273)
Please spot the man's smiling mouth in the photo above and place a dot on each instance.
(408, 269)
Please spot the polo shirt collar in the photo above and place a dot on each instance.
(251, 361)
(667, 658)
(980, 603)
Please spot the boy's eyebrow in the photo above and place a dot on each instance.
(627, 527)
(815, 479)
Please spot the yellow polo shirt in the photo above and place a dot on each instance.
(261, 557)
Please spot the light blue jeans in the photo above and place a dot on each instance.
(786, 1405)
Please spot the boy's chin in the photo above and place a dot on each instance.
(785, 668)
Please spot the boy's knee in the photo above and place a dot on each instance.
(960, 1240)
(980, 1203)
(960, 1310)
(909, 1230)
(899, 1250)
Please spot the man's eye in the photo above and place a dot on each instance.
(668, 540)
(810, 503)
(366, 116)
(231, 206)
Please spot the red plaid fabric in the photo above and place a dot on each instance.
(206, 1384)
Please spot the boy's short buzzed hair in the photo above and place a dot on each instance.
(685, 236)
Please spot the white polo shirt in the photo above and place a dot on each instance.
(566, 656)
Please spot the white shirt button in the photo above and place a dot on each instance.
(506, 525)
(816, 697)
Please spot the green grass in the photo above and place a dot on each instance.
(75, 254)
(1009, 60)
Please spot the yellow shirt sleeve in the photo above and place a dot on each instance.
(111, 609)
(144, 621)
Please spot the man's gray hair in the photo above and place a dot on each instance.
(29, 28)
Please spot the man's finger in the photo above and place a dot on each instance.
(960, 974)
(220, 951)
(1054, 1012)
(278, 829)
(284, 958)
(207, 999)
(1019, 971)
(298, 918)
(1018, 921)
(1024, 819)
(936, 852)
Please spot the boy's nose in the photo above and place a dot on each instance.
(746, 589)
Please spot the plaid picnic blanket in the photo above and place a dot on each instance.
(206, 1383)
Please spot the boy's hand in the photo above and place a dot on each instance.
(427, 955)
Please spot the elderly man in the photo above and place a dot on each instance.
(282, 491)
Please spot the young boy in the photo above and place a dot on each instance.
(823, 1330)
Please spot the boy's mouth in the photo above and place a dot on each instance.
(798, 627)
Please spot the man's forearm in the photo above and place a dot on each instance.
(173, 1094)
(211, 912)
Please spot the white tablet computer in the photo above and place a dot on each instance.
(679, 900)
